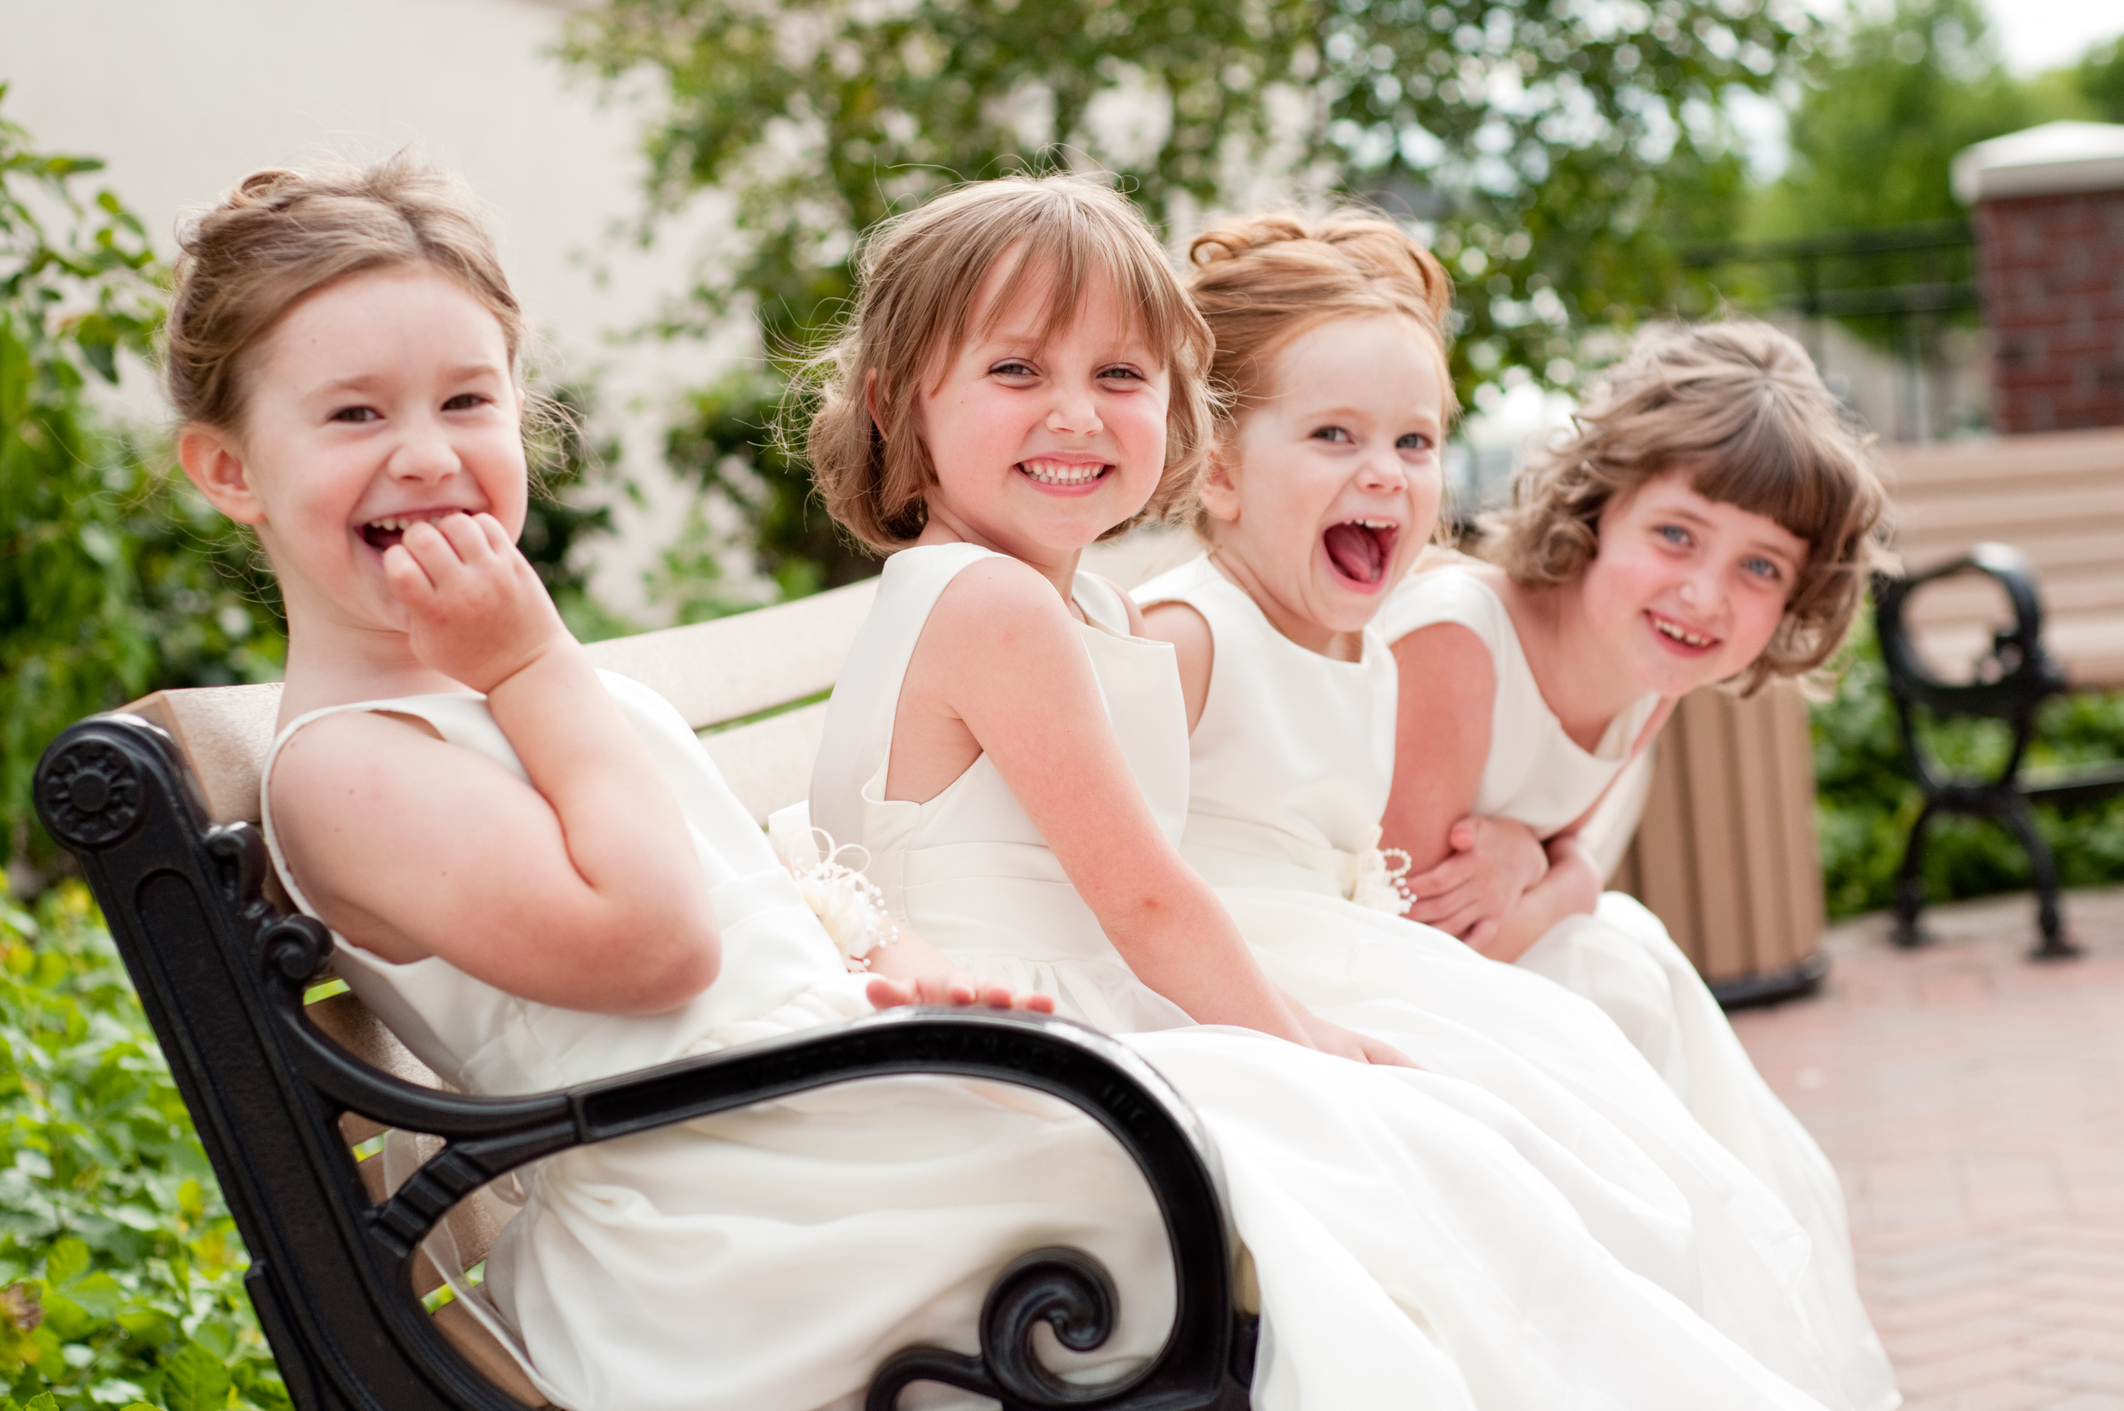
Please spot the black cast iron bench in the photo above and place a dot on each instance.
(288, 1092)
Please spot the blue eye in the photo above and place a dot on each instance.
(1011, 367)
(1414, 441)
(1763, 568)
(1673, 533)
(1122, 373)
(1332, 433)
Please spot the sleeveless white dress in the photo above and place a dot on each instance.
(1621, 957)
(1366, 1196)
(771, 1257)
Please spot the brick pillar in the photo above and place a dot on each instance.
(2052, 273)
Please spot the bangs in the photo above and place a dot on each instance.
(1763, 468)
(1071, 247)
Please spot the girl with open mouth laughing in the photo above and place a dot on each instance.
(1323, 488)
(1713, 519)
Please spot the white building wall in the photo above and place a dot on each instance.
(184, 97)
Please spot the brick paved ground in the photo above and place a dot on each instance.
(1973, 1103)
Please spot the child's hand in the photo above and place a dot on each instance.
(955, 988)
(476, 610)
(1343, 1043)
(1573, 876)
(1493, 863)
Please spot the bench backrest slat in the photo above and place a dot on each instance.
(2059, 498)
(732, 667)
(713, 672)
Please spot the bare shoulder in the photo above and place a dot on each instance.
(1446, 667)
(997, 599)
(349, 739)
(1180, 623)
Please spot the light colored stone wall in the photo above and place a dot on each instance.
(183, 97)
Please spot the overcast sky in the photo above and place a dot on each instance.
(2042, 34)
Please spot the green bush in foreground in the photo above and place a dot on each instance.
(121, 1273)
(1866, 797)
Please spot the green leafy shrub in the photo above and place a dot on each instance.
(1867, 799)
(121, 1273)
(115, 579)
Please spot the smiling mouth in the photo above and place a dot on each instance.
(382, 533)
(1361, 549)
(1064, 476)
(1675, 632)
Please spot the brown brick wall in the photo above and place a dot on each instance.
(2052, 269)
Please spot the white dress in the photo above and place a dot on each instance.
(1370, 1199)
(771, 1257)
(1621, 957)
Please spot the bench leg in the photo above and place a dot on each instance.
(1910, 884)
(2021, 819)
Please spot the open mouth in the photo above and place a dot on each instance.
(382, 533)
(1361, 549)
(1680, 635)
(1061, 475)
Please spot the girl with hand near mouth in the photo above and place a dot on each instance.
(536, 877)
(1322, 489)
(1023, 376)
(1713, 519)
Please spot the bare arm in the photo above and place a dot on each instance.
(996, 630)
(1441, 739)
(580, 889)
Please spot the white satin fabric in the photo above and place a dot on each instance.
(769, 1259)
(1622, 959)
(1419, 1240)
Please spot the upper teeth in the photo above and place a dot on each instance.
(403, 522)
(1679, 634)
(1373, 523)
(1055, 473)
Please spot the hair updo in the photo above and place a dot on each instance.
(282, 236)
(1262, 281)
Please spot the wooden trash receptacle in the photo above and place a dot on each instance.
(1725, 854)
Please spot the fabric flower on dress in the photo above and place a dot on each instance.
(848, 904)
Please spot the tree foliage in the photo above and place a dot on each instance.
(1557, 149)
(114, 579)
(1888, 105)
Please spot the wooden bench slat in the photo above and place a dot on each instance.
(2059, 498)
(767, 763)
(1911, 470)
(738, 666)
(225, 731)
(1998, 516)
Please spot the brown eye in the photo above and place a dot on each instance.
(357, 414)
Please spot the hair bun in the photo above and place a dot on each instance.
(261, 186)
(1229, 242)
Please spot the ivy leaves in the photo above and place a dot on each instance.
(121, 1274)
